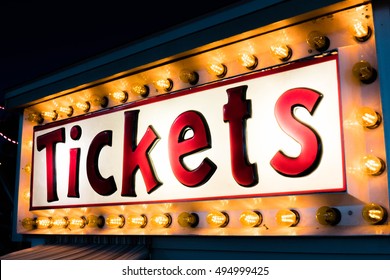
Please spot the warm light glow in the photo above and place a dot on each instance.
(77, 222)
(282, 52)
(83, 106)
(68, 111)
(368, 117)
(248, 60)
(140, 89)
(361, 31)
(374, 214)
(35, 118)
(27, 168)
(251, 218)
(49, 115)
(95, 221)
(287, 217)
(137, 221)
(372, 165)
(328, 216)
(161, 220)
(60, 222)
(120, 96)
(164, 84)
(101, 101)
(44, 222)
(29, 223)
(26, 195)
(363, 71)
(217, 69)
(186, 219)
(318, 41)
(189, 77)
(217, 219)
(115, 221)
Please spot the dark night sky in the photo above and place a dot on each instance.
(40, 37)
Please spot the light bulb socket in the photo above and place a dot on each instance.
(87, 107)
(145, 221)
(254, 62)
(188, 219)
(35, 117)
(169, 88)
(145, 93)
(54, 115)
(71, 111)
(374, 214)
(364, 38)
(125, 97)
(95, 221)
(328, 216)
(377, 123)
(104, 102)
(190, 77)
(325, 46)
(288, 56)
(297, 219)
(29, 223)
(318, 41)
(224, 72)
(363, 71)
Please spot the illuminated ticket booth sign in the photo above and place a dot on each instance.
(277, 134)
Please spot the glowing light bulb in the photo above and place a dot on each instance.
(368, 117)
(101, 101)
(140, 89)
(27, 168)
(372, 165)
(59, 222)
(186, 219)
(217, 219)
(318, 41)
(26, 195)
(115, 221)
(83, 106)
(287, 217)
(95, 221)
(363, 71)
(328, 216)
(161, 220)
(29, 223)
(35, 118)
(188, 76)
(68, 111)
(361, 31)
(50, 115)
(164, 84)
(248, 60)
(44, 222)
(77, 222)
(120, 96)
(217, 69)
(282, 52)
(137, 221)
(374, 214)
(251, 218)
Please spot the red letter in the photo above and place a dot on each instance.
(236, 111)
(101, 185)
(179, 147)
(74, 164)
(311, 151)
(137, 157)
(49, 141)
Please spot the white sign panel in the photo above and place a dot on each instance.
(275, 132)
